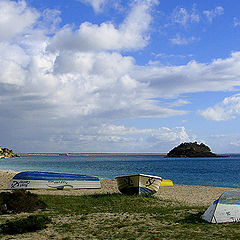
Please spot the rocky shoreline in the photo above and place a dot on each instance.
(7, 153)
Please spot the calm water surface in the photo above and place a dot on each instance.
(192, 171)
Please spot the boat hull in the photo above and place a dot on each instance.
(48, 180)
(138, 184)
(166, 183)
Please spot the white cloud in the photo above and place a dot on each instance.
(79, 83)
(178, 40)
(211, 14)
(171, 81)
(184, 17)
(236, 143)
(16, 17)
(131, 34)
(118, 138)
(179, 102)
(96, 4)
(164, 55)
(226, 110)
(99, 84)
(236, 22)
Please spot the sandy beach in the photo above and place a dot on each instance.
(192, 195)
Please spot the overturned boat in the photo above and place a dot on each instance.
(139, 184)
(52, 180)
(225, 209)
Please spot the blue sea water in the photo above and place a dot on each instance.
(221, 172)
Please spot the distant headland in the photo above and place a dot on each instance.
(7, 153)
(191, 150)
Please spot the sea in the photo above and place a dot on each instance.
(221, 172)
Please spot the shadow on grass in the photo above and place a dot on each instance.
(193, 218)
(119, 195)
(104, 195)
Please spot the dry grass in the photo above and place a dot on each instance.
(105, 214)
(116, 216)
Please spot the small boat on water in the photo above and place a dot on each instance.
(139, 184)
(52, 180)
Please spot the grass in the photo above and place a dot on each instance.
(125, 217)
(29, 224)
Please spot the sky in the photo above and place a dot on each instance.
(137, 76)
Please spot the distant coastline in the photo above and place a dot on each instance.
(117, 154)
(85, 154)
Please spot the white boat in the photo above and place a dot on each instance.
(225, 209)
(46, 180)
(138, 184)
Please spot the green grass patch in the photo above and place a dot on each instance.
(136, 217)
(114, 203)
(129, 217)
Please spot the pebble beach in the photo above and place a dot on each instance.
(189, 194)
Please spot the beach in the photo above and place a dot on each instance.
(189, 194)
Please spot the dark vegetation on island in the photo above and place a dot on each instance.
(191, 150)
(7, 153)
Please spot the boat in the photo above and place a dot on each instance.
(225, 209)
(52, 180)
(166, 183)
(138, 184)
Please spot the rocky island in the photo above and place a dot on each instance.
(7, 153)
(191, 150)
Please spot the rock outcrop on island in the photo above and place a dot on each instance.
(7, 153)
(191, 150)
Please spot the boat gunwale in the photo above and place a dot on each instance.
(137, 175)
(53, 176)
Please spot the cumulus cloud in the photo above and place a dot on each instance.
(226, 110)
(79, 83)
(131, 34)
(82, 82)
(16, 17)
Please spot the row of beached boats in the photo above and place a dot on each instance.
(128, 184)
(225, 209)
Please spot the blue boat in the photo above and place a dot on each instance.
(52, 180)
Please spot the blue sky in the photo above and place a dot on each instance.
(119, 76)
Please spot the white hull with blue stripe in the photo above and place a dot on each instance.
(51, 180)
(225, 209)
(138, 184)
